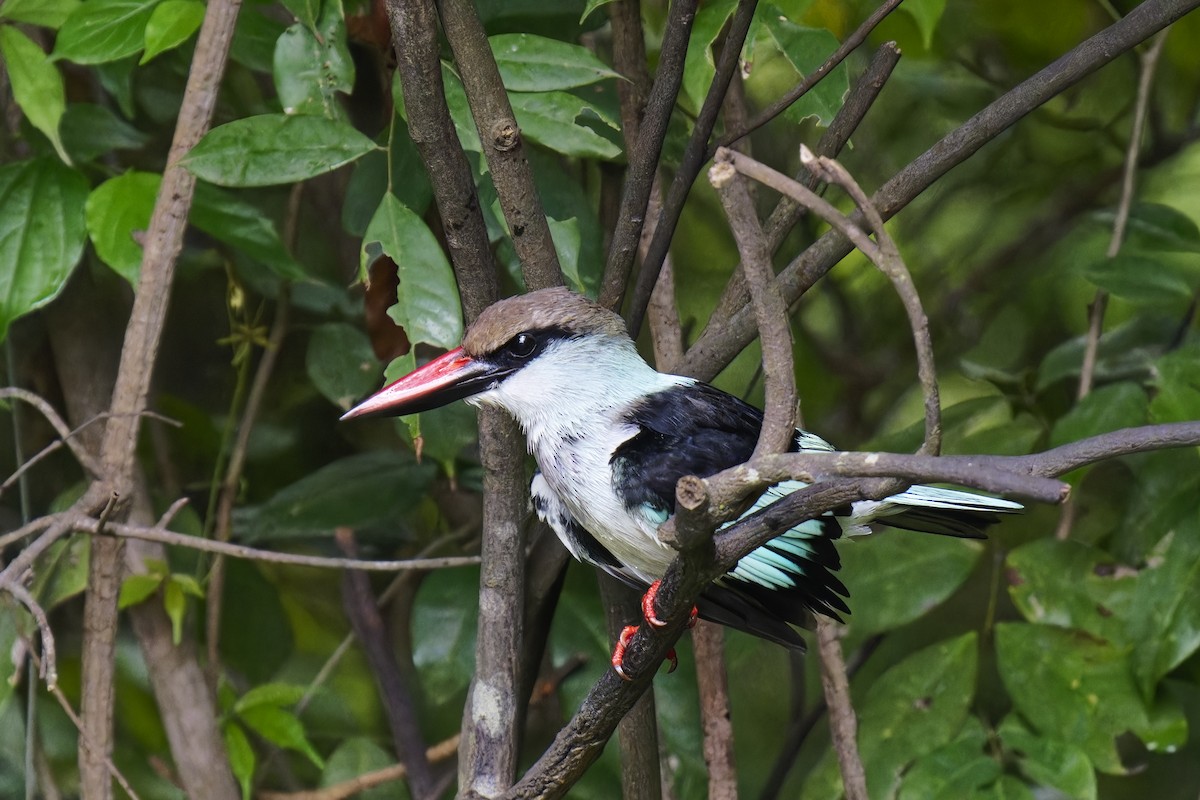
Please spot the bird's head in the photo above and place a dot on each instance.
(522, 354)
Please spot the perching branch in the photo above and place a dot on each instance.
(581, 741)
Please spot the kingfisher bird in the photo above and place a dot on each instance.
(611, 437)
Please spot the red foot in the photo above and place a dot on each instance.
(652, 616)
(618, 656)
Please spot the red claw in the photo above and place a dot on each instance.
(651, 614)
(618, 655)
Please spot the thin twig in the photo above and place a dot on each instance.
(843, 725)
(1148, 63)
(890, 263)
(48, 668)
(66, 435)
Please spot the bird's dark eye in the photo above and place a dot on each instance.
(523, 345)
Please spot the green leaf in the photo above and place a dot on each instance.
(699, 67)
(956, 770)
(565, 234)
(175, 602)
(531, 63)
(241, 756)
(1127, 351)
(591, 6)
(270, 694)
(460, 109)
(926, 14)
(1073, 686)
(443, 630)
(1072, 585)
(1177, 380)
(355, 757)
(427, 305)
(188, 585)
(137, 588)
(104, 30)
(312, 65)
(915, 708)
(341, 364)
(37, 85)
(118, 210)
(281, 728)
(806, 49)
(274, 148)
(62, 571)
(879, 571)
(254, 39)
(1109, 408)
(47, 13)
(172, 23)
(354, 491)
(1153, 226)
(42, 233)
(241, 224)
(304, 10)
(1165, 619)
(1140, 279)
(550, 119)
(444, 433)
(1009, 787)
(90, 130)
(1167, 728)
(1046, 761)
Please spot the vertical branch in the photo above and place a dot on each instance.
(1148, 63)
(695, 153)
(843, 725)
(712, 681)
(637, 733)
(643, 158)
(163, 241)
(501, 138)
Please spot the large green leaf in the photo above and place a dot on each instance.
(104, 30)
(879, 571)
(313, 65)
(355, 757)
(50, 13)
(1127, 351)
(281, 728)
(275, 148)
(806, 49)
(699, 66)
(1165, 619)
(1072, 686)
(355, 491)
(1109, 408)
(341, 364)
(926, 14)
(90, 130)
(443, 630)
(37, 85)
(1154, 226)
(1177, 379)
(956, 770)
(551, 120)
(1072, 585)
(172, 23)
(531, 63)
(119, 210)
(915, 708)
(1141, 279)
(1048, 762)
(241, 756)
(42, 233)
(427, 305)
(370, 179)
(242, 225)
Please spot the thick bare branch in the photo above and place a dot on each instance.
(843, 725)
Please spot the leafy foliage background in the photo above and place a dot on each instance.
(1019, 667)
